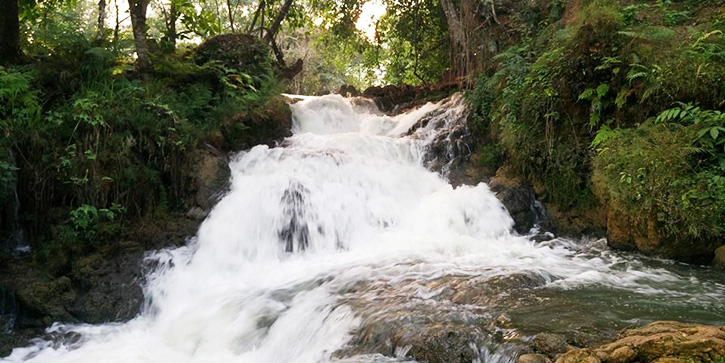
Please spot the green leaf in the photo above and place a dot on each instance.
(602, 89)
(701, 133)
(714, 132)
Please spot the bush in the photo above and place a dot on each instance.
(654, 174)
(95, 139)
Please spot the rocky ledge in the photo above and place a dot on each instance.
(658, 342)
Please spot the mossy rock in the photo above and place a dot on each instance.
(266, 124)
(242, 52)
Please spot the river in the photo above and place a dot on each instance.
(341, 245)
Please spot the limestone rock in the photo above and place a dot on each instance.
(660, 342)
(533, 358)
(579, 356)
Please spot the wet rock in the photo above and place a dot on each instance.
(661, 342)
(579, 356)
(348, 90)
(266, 124)
(622, 355)
(109, 284)
(533, 358)
(719, 260)
(388, 97)
(550, 344)
(196, 213)
(444, 347)
(518, 197)
(449, 140)
(45, 301)
(210, 180)
(631, 236)
(588, 220)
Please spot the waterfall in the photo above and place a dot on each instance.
(12, 239)
(342, 219)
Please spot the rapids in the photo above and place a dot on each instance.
(343, 224)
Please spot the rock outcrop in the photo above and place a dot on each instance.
(659, 342)
(518, 197)
(241, 52)
(719, 260)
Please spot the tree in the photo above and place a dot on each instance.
(101, 20)
(460, 52)
(9, 31)
(138, 24)
(274, 28)
(171, 15)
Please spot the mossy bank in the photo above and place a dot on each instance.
(611, 111)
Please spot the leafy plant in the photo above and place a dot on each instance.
(599, 103)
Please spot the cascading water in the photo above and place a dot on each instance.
(343, 229)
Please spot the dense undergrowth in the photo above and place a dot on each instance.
(616, 103)
(92, 145)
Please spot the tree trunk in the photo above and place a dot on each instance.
(274, 28)
(9, 31)
(138, 23)
(172, 27)
(457, 35)
(101, 19)
(171, 34)
(117, 27)
(260, 9)
(231, 16)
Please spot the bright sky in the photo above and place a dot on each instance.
(371, 13)
(372, 10)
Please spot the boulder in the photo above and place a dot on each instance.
(579, 356)
(719, 260)
(348, 90)
(533, 358)
(390, 96)
(646, 237)
(43, 302)
(211, 179)
(660, 342)
(241, 52)
(550, 344)
(519, 199)
(109, 284)
(265, 124)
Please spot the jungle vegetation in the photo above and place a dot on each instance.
(613, 104)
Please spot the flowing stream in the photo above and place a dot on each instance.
(341, 245)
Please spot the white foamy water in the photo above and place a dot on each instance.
(347, 199)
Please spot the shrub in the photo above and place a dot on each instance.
(651, 174)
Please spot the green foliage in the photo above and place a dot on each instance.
(709, 126)
(593, 83)
(599, 103)
(653, 174)
(19, 105)
(89, 137)
(87, 217)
